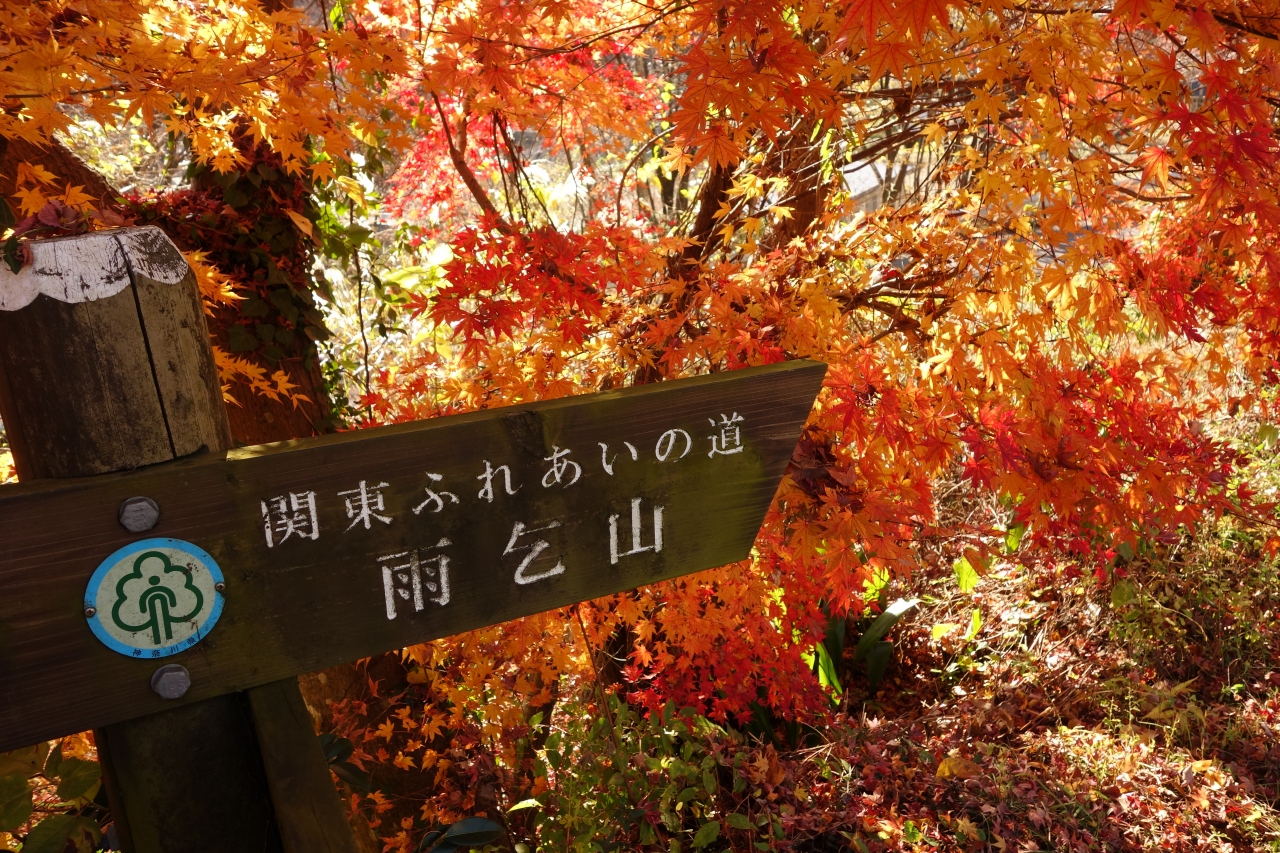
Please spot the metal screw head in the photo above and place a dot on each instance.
(139, 514)
(90, 612)
(171, 681)
(220, 587)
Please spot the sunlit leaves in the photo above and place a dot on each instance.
(205, 70)
(1053, 181)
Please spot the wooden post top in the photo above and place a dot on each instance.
(88, 267)
(105, 363)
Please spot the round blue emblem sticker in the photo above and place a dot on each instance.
(154, 598)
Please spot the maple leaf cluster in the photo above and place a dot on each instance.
(1035, 246)
(205, 71)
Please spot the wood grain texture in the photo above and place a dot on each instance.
(188, 782)
(181, 359)
(82, 400)
(90, 267)
(310, 815)
(305, 604)
(114, 383)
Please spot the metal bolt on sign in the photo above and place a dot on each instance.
(171, 681)
(139, 514)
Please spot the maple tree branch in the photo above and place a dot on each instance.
(950, 87)
(622, 181)
(518, 168)
(534, 50)
(1043, 10)
(900, 320)
(1143, 197)
(683, 267)
(871, 152)
(714, 191)
(468, 176)
(117, 87)
(1243, 27)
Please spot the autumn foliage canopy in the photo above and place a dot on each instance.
(1035, 241)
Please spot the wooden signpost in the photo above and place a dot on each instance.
(244, 568)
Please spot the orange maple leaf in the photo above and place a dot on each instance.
(1155, 164)
(922, 15)
(865, 16)
(887, 56)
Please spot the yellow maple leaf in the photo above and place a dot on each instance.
(966, 827)
(30, 200)
(386, 730)
(34, 173)
(214, 286)
(431, 727)
(957, 767)
(76, 197)
(352, 188)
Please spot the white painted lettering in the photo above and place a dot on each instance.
(365, 503)
(433, 498)
(604, 456)
(667, 443)
(288, 515)
(636, 542)
(408, 576)
(534, 550)
(730, 439)
(559, 467)
(486, 491)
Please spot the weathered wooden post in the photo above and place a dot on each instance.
(105, 366)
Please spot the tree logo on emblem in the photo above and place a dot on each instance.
(154, 598)
(152, 595)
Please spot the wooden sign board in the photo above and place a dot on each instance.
(341, 547)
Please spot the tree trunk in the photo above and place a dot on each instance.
(59, 160)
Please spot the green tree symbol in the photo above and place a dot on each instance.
(157, 604)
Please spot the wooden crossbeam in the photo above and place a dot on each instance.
(341, 547)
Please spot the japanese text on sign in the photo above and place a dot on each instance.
(414, 579)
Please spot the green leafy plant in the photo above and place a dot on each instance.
(671, 780)
(463, 835)
(54, 798)
(873, 647)
(336, 751)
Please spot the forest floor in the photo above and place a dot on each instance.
(1139, 714)
(1030, 708)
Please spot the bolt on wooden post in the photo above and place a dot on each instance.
(106, 366)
